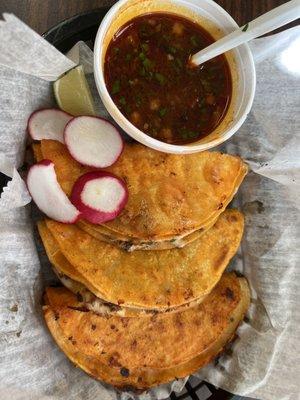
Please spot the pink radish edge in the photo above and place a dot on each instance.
(86, 163)
(94, 215)
(32, 115)
(46, 163)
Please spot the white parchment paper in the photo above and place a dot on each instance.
(264, 362)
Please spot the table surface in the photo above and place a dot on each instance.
(43, 14)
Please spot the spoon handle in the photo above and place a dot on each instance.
(267, 22)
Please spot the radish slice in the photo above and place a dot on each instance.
(93, 141)
(48, 123)
(99, 196)
(48, 195)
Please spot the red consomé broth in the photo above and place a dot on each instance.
(150, 79)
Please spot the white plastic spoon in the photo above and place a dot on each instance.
(267, 22)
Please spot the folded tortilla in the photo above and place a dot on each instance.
(175, 195)
(144, 352)
(159, 280)
(76, 283)
(131, 244)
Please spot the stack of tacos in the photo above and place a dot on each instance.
(145, 298)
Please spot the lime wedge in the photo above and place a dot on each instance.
(73, 94)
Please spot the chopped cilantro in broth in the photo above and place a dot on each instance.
(148, 75)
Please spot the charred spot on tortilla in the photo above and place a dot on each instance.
(178, 321)
(154, 317)
(124, 372)
(124, 322)
(72, 340)
(215, 318)
(229, 294)
(231, 218)
(114, 361)
(188, 294)
(222, 257)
